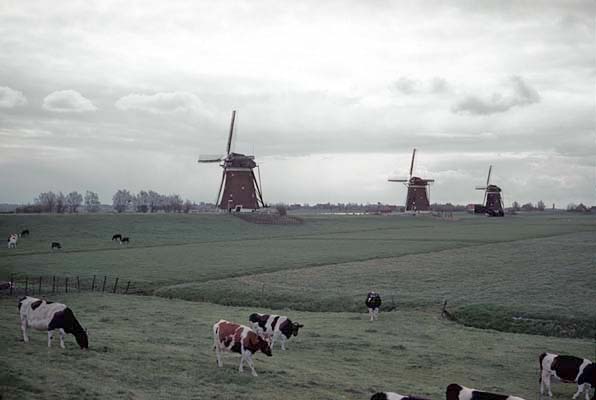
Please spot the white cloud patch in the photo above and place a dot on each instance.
(406, 85)
(67, 101)
(10, 98)
(159, 103)
(517, 93)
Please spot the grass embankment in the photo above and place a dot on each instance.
(155, 348)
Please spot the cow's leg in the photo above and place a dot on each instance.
(241, 368)
(580, 389)
(251, 363)
(24, 329)
(283, 342)
(61, 337)
(376, 313)
(50, 334)
(546, 383)
(370, 313)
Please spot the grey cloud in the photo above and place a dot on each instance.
(161, 102)
(67, 101)
(439, 85)
(519, 94)
(406, 85)
(10, 98)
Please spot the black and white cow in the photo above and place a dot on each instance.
(125, 240)
(373, 302)
(394, 396)
(568, 369)
(48, 316)
(56, 245)
(275, 327)
(117, 237)
(459, 392)
(25, 232)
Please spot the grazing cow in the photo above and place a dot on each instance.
(6, 285)
(56, 245)
(25, 232)
(275, 327)
(125, 240)
(228, 336)
(568, 369)
(373, 302)
(458, 392)
(117, 236)
(12, 240)
(394, 396)
(47, 316)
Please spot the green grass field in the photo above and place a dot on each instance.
(528, 274)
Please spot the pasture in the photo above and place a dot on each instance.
(526, 273)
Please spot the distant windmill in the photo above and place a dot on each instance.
(493, 201)
(417, 199)
(238, 189)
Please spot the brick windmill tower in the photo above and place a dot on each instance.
(493, 200)
(239, 189)
(417, 199)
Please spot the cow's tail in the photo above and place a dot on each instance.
(540, 359)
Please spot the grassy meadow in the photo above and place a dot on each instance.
(529, 279)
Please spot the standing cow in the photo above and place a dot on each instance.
(373, 302)
(568, 369)
(275, 327)
(228, 336)
(459, 392)
(12, 240)
(47, 316)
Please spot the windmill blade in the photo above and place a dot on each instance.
(490, 168)
(210, 158)
(223, 178)
(412, 163)
(430, 180)
(397, 180)
(229, 146)
(481, 188)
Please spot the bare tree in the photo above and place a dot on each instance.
(527, 207)
(60, 203)
(73, 201)
(515, 206)
(540, 205)
(92, 201)
(46, 201)
(154, 201)
(141, 201)
(187, 206)
(121, 199)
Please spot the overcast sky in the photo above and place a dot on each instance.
(331, 96)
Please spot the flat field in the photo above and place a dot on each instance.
(527, 274)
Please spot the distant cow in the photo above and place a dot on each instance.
(117, 236)
(458, 392)
(4, 285)
(275, 327)
(56, 245)
(25, 232)
(228, 336)
(48, 316)
(568, 369)
(12, 240)
(124, 240)
(373, 302)
(394, 396)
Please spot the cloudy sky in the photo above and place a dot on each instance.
(331, 97)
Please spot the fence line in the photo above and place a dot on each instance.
(26, 285)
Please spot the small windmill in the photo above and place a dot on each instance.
(417, 199)
(493, 201)
(239, 189)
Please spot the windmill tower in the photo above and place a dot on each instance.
(239, 189)
(493, 201)
(417, 199)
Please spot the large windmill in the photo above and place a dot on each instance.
(417, 199)
(493, 201)
(239, 189)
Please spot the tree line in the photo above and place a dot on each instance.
(60, 203)
(149, 201)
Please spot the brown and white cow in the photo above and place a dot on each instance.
(568, 369)
(394, 396)
(228, 336)
(459, 392)
(274, 327)
(12, 240)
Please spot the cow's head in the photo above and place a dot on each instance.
(295, 327)
(264, 344)
(82, 338)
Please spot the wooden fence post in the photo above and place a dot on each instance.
(115, 285)
(103, 288)
(53, 283)
(26, 285)
(78, 284)
(39, 286)
(127, 286)
(93, 284)
(66, 284)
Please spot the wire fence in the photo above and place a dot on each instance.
(26, 285)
